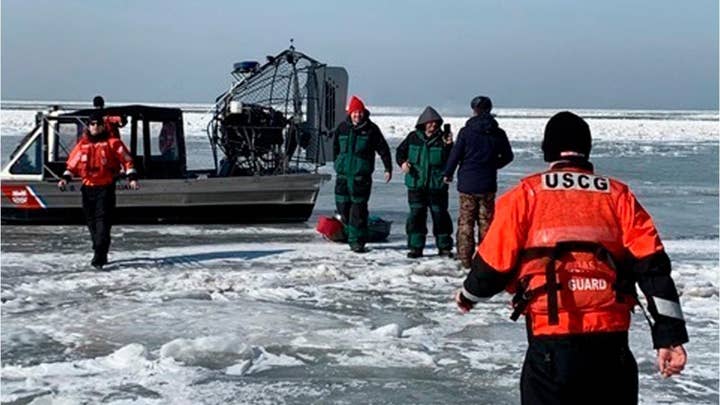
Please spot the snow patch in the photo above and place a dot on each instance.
(131, 356)
(391, 330)
(207, 351)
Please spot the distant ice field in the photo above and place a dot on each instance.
(523, 124)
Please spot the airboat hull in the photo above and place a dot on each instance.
(257, 199)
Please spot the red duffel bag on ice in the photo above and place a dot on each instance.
(331, 228)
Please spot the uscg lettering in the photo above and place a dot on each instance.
(575, 181)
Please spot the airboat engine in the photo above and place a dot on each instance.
(276, 118)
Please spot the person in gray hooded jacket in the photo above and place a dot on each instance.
(422, 157)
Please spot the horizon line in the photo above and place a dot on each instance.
(35, 104)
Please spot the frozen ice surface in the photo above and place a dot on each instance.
(299, 320)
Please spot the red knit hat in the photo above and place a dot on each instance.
(355, 104)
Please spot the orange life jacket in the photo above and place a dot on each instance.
(98, 163)
(564, 232)
(112, 125)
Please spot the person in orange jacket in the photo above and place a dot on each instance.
(97, 158)
(571, 245)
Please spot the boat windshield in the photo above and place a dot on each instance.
(21, 144)
(30, 162)
(67, 134)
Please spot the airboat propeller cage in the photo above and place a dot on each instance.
(277, 118)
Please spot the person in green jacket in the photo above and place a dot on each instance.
(356, 141)
(422, 157)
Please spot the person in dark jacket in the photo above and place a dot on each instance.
(356, 141)
(572, 244)
(481, 149)
(113, 123)
(422, 157)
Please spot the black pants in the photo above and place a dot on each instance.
(351, 200)
(416, 225)
(99, 208)
(591, 369)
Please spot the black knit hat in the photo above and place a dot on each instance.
(99, 102)
(481, 103)
(566, 132)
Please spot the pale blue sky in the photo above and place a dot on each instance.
(656, 54)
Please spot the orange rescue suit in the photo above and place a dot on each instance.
(98, 162)
(570, 206)
(112, 125)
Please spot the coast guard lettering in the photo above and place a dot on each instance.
(575, 181)
(587, 284)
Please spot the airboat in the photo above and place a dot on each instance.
(269, 134)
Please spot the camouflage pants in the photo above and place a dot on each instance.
(474, 208)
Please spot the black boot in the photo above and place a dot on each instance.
(97, 261)
(358, 248)
(415, 253)
(446, 253)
